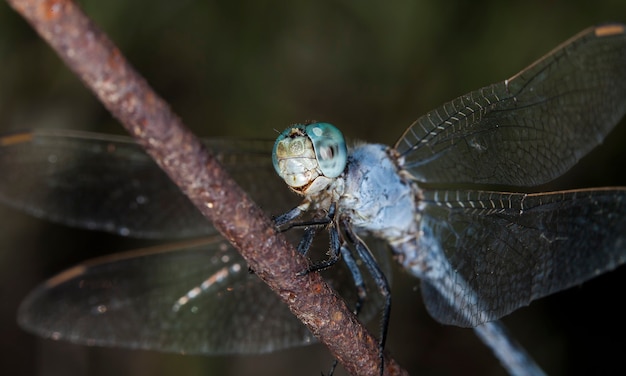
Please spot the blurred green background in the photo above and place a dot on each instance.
(249, 68)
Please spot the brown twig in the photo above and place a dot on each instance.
(101, 66)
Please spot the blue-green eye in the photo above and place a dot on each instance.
(309, 156)
(330, 148)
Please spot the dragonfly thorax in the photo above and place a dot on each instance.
(376, 196)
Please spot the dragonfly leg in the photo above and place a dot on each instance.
(379, 279)
(361, 291)
(334, 248)
(292, 214)
(338, 252)
(307, 239)
(357, 277)
(360, 288)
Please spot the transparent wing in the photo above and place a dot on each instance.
(510, 249)
(135, 299)
(530, 128)
(109, 183)
(197, 298)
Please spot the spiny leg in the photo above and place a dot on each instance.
(334, 253)
(357, 278)
(379, 279)
(355, 272)
(337, 250)
(291, 215)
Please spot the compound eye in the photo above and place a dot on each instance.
(330, 148)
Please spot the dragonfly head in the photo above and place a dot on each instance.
(308, 157)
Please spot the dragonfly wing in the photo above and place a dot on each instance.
(135, 299)
(531, 128)
(506, 250)
(109, 183)
(195, 298)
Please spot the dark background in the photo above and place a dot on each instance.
(248, 68)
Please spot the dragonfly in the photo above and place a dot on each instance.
(450, 199)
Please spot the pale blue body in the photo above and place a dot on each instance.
(376, 198)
